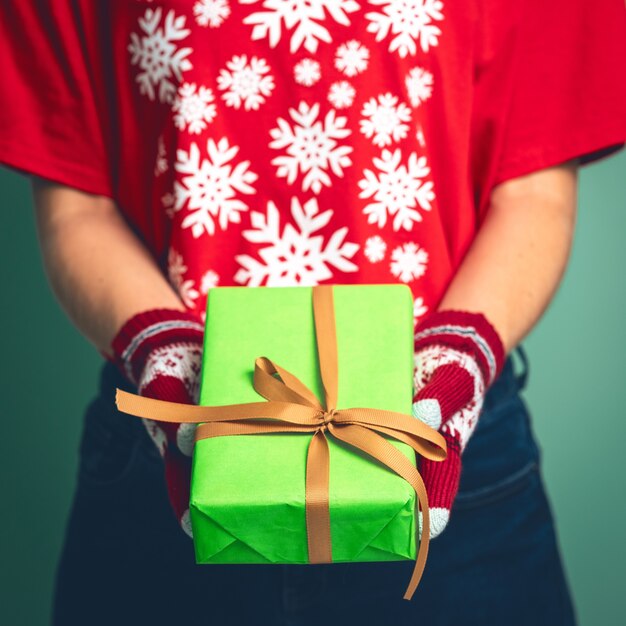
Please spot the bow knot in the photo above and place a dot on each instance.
(326, 418)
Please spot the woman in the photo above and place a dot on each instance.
(179, 145)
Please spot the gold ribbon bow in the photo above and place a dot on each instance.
(293, 407)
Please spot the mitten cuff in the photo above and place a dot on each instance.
(145, 332)
(467, 332)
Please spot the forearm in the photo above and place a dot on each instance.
(516, 262)
(99, 271)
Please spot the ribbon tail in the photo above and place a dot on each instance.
(380, 449)
(317, 500)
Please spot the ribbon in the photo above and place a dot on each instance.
(292, 407)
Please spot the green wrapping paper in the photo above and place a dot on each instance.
(248, 491)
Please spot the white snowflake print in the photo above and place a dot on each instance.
(341, 94)
(384, 119)
(209, 186)
(407, 21)
(303, 16)
(375, 249)
(312, 147)
(397, 190)
(209, 280)
(176, 270)
(307, 72)
(160, 163)
(180, 360)
(161, 62)
(193, 107)
(408, 262)
(211, 13)
(246, 83)
(171, 200)
(419, 309)
(419, 136)
(419, 85)
(297, 256)
(352, 58)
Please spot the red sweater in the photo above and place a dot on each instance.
(284, 142)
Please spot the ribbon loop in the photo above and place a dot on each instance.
(292, 407)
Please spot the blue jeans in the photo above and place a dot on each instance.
(126, 561)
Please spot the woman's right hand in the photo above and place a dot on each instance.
(160, 351)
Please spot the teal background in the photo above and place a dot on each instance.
(576, 394)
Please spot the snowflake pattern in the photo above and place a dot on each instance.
(419, 85)
(193, 108)
(160, 163)
(161, 62)
(352, 58)
(375, 249)
(176, 270)
(408, 262)
(397, 190)
(407, 21)
(419, 136)
(209, 280)
(307, 72)
(384, 119)
(306, 242)
(209, 186)
(303, 17)
(246, 83)
(298, 255)
(419, 309)
(341, 94)
(311, 146)
(211, 13)
(462, 424)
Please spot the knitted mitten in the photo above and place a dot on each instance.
(160, 352)
(457, 357)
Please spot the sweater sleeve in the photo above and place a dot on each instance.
(53, 116)
(549, 87)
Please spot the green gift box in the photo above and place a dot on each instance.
(248, 491)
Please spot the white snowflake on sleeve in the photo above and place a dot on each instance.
(160, 163)
(312, 147)
(397, 190)
(211, 12)
(177, 269)
(209, 280)
(161, 62)
(419, 309)
(408, 21)
(419, 136)
(307, 72)
(209, 186)
(352, 58)
(193, 107)
(247, 83)
(384, 119)
(341, 94)
(297, 256)
(408, 262)
(303, 16)
(375, 249)
(419, 85)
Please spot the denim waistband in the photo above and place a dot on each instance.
(509, 382)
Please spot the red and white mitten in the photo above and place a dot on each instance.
(160, 351)
(458, 355)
